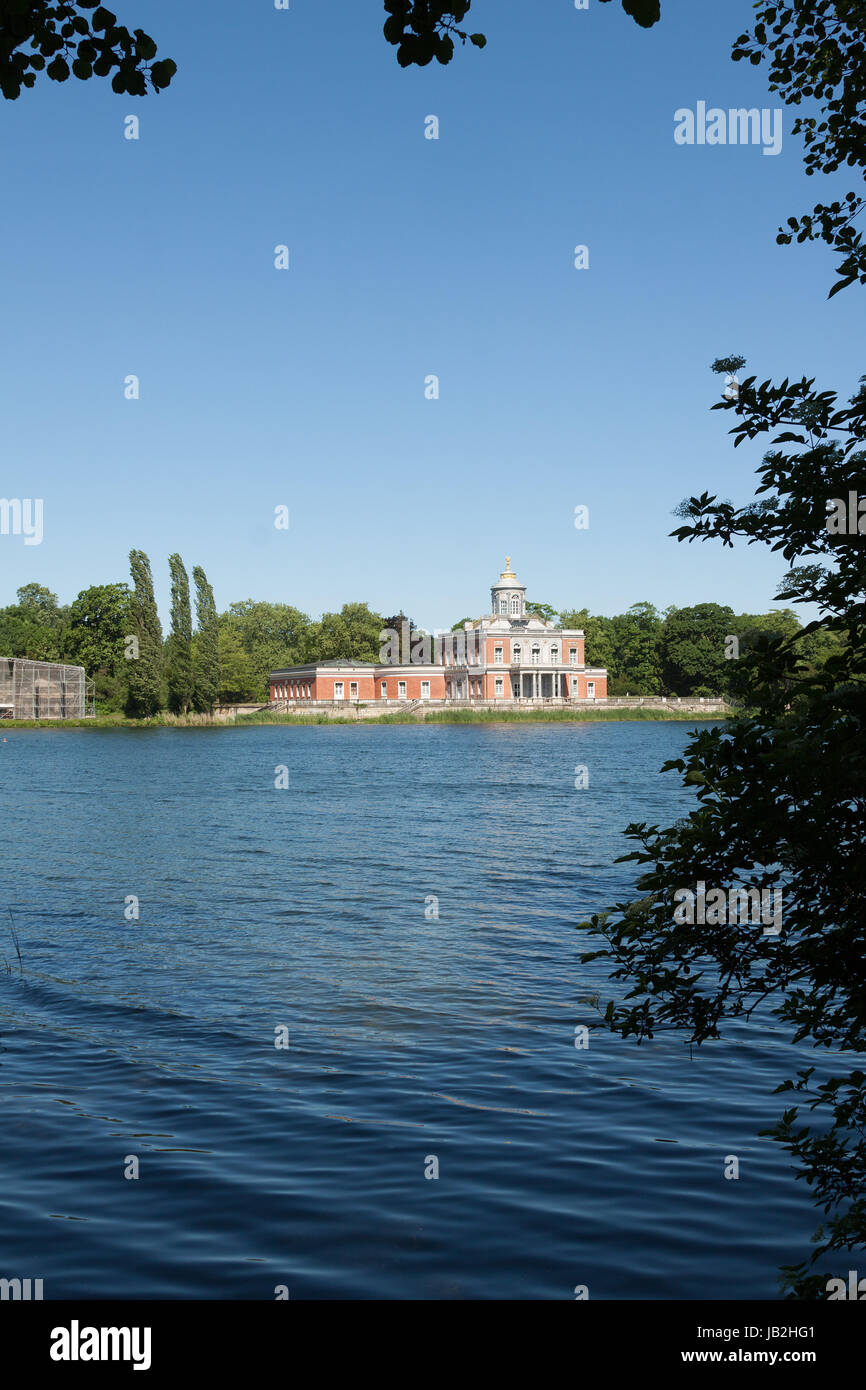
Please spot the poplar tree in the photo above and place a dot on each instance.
(180, 664)
(206, 652)
(144, 653)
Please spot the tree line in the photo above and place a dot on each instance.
(114, 632)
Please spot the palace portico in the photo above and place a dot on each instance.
(508, 656)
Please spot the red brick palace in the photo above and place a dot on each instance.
(506, 656)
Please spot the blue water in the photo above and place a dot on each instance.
(410, 1038)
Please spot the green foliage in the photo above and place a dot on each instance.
(206, 650)
(816, 52)
(545, 611)
(181, 678)
(352, 633)
(635, 667)
(646, 13)
(598, 632)
(99, 620)
(264, 637)
(693, 648)
(144, 695)
(238, 682)
(62, 39)
(780, 803)
(423, 30)
(35, 626)
(37, 598)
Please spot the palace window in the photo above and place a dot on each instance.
(425, 690)
(572, 656)
(338, 690)
(500, 686)
(590, 690)
(554, 655)
(497, 656)
(515, 605)
(536, 655)
(503, 605)
(515, 653)
(353, 690)
(401, 690)
(383, 689)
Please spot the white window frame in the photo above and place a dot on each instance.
(383, 689)
(590, 690)
(572, 656)
(425, 690)
(498, 655)
(353, 690)
(515, 606)
(503, 607)
(499, 686)
(401, 690)
(339, 688)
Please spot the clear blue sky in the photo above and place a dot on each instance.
(408, 257)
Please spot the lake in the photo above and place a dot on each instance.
(414, 1040)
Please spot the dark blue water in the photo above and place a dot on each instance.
(410, 1037)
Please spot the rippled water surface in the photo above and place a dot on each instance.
(409, 1038)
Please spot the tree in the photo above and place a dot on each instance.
(781, 807)
(181, 678)
(145, 654)
(545, 611)
(272, 635)
(423, 30)
(30, 631)
(99, 620)
(816, 51)
(39, 599)
(693, 642)
(206, 649)
(598, 647)
(238, 680)
(635, 659)
(352, 633)
(62, 39)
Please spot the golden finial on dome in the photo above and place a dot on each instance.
(507, 572)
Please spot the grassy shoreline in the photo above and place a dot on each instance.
(458, 716)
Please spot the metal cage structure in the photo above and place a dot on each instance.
(44, 690)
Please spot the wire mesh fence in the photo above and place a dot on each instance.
(43, 690)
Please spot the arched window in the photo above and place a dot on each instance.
(515, 605)
(536, 655)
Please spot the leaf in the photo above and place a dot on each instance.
(162, 72)
(646, 13)
(145, 46)
(58, 69)
(103, 19)
(479, 40)
(841, 285)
